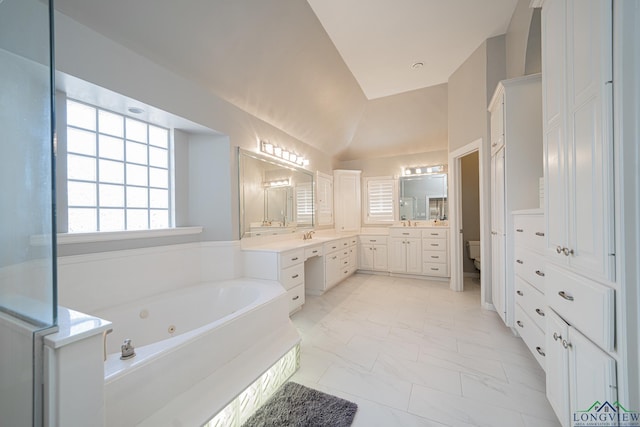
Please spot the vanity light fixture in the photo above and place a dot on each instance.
(424, 170)
(283, 154)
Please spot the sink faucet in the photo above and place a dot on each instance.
(308, 235)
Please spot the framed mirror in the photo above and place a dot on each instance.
(275, 198)
(423, 197)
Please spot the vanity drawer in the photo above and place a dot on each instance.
(296, 298)
(434, 244)
(586, 305)
(532, 336)
(434, 269)
(289, 258)
(332, 246)
(376, 240)
(531, 301)
(434, 233)
(438, 257)
(313, 251)
(530, 266)
(529, 231)
(405, 232)
(292, 276)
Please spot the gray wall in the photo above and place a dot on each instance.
(523, 41)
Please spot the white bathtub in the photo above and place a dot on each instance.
(185, 336)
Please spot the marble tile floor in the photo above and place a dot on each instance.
(411, 352)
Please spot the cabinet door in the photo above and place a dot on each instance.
(498, 273)
(367, 257)
(380, 258)
(347, 201)
(589, 136)
(325, 199)
(592, 373)
(497, 192)
(497, 127)
(397, 255)
(557, 367)
(414, 255)
(332, 271)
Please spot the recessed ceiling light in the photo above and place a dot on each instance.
(135, 110)
(417, 65)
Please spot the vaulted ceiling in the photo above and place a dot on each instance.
(334, 74)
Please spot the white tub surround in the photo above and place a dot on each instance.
(183, 337)
(74, 371)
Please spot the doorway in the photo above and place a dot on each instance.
(458, 233)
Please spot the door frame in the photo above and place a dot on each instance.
(455, 215)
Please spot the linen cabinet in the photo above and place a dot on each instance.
(516, 167)
(347, 200)
(578, 168)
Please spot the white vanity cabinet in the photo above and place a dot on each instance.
(339, 261)
(373, 253)
(405, 250)
(529, 274)
(435, 252)
(285, 267)
(516, 168)
(578, 140)
(347, 200)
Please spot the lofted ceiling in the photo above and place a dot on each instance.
(324, 71)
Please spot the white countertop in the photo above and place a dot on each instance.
(75, 326)
(297, 243)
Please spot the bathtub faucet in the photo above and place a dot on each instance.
(308, 235)
(127, 350)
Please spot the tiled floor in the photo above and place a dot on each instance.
(413, 353)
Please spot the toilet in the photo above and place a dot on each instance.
(474, 252)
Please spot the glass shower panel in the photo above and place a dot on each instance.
(28, 303)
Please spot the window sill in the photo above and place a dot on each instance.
(107, 236)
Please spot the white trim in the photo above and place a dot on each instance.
(455, 219)
(107, 236)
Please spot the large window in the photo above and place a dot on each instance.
(117, 171)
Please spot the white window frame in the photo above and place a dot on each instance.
(390, 214)
(149, 209)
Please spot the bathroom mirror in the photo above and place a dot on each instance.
(423, 197)
(274, 198)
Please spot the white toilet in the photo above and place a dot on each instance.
(474, 252)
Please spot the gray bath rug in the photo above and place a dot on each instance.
(297, 405)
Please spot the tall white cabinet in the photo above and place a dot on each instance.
(324, 199)
(516, 166)
(347, 200)
(580, 252)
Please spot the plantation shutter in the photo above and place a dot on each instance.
(304, 204)
(381, 200)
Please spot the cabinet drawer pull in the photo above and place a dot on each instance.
(519, 292)
(435, 234)
(435, 256)
(314, 252)
(539, 273)
(294, 259)
(519, 230)
(520, 324)
(556, 337)
(559, 249)
(519, 261)
(494, 144)
(346, 272)
(295, 276)
(435, 269)
(539, 234)
(333, 247)
(540, 352)
(564, 295)
(567, 251)
(295, 298)
(334, 257)
(566, 344)
(373, 241)
(540, 312)
(405, 234)
(435, 244)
